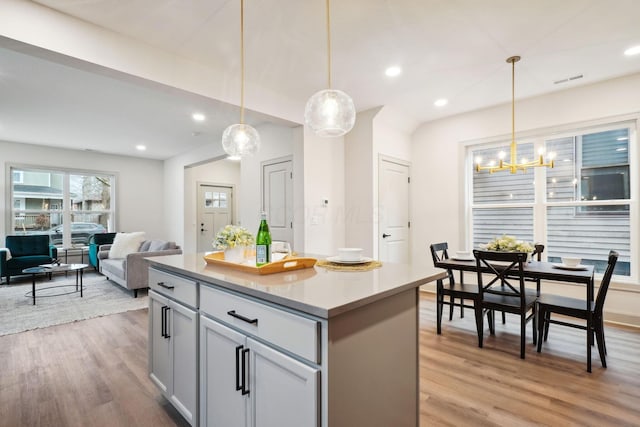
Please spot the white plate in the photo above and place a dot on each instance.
(457, 258)
(337, 260)
(569, 267)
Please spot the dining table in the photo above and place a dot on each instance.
(538, 270)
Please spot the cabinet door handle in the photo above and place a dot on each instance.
(165, 321)
(245, 375)
(238, 351)
(162, 321)
(233, 313)
(165, 286)
(162, 324)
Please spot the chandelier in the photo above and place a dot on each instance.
(330, 112)
(241, 139)
(512, 165)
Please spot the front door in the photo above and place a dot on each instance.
(393, 210)
(215, 210)
(277, 193)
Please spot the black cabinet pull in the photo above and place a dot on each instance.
(165, 286)
(162, 324)
(238, 351)
(245, 376)
(165, 321)
(233, 313)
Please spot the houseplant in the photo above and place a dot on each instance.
(233, 240)
(508, 244)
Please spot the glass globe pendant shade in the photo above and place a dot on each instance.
(240, 140)
(330, 113)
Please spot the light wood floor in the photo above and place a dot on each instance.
(94, 373)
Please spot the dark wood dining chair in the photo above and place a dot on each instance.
(506, 290)
(458, 293)
(537, 254)
(589, 311)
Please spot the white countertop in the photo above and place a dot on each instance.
(316, 291)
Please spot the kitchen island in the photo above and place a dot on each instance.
(310, 347)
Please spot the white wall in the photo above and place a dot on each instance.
(359, 179)
(324, 177)
(438, 208)
(277, 141)
(221, 172)
(138, 207)
(379, 131)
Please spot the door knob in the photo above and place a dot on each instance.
(385, 235)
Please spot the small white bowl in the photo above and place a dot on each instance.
(571, 261)
(463, 254)
(350, 254)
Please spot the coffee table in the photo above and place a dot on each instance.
(52, 268)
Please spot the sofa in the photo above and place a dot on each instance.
(94, 245)
(131, 271)
(22, 252)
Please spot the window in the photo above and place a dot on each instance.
(214, 199)
(45, 200)
(581, 207)
(17, 176)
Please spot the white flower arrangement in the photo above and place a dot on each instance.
(508, 244)
(231, 236)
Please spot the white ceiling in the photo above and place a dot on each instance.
(454, 49)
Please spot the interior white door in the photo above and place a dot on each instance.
(215, 210)
(393, 210)
(277, 196)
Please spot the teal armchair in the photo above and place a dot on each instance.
(94, 246)
(26, 252)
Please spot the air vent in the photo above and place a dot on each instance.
(568, 79)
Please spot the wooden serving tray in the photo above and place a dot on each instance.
(287, 264)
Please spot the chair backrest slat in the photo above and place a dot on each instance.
(604, 284)
(511, 270)
(439, 252)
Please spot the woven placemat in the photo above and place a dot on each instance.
(342, 267)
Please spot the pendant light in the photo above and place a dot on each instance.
(241, 139)
(330, 112)
(513, 166)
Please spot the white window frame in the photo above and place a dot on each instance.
(67, 210)
(540, 203)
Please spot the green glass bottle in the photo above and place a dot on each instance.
(263, 242)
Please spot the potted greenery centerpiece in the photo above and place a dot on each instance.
(509, 244)
(234, 241)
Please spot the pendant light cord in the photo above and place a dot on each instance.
(328, 45)
(241, 61)
(513, 100)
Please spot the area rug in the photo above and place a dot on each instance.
(100, 297)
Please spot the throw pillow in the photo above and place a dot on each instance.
(158, 245)
(126, 243)
(144, 247)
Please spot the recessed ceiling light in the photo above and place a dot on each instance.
(632, 51)
(441, 102)
(198, 117)
(234, 158)
(141, 147)
(393, 71)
